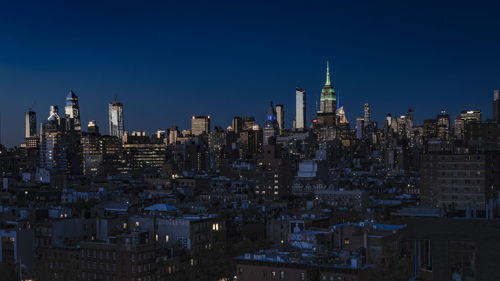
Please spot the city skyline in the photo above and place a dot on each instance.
(405, 55)
(163, 140)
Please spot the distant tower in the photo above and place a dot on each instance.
(173, 134)
(237, 125)
(270, 125)
(410, 118)
(31, 138)
(200, 124)
(367, 114)
(72, 111)
(443, 125)
(496, 106)
(359, 127)
(300, 108)
(115, 117)
(328, 102)
(280, 116)
(30, 123)
(53, 144)
(92, 128)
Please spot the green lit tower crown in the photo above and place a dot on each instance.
(328, 102)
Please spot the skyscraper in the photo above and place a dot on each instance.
(237, 125)
(300, 108)
(443, 125)
(462, 122)
(270, 129)
(496, 106)
(30, 123)
(115, 116)
(328, 102)
(53, 156)
(200, 124)
(359, 127)
(280, 115)
(366, 118)
(31, 139)
(72, 111)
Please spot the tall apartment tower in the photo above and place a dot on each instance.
(300, 108)
(72, 111)
(367, 114)
(280, 116)
(200, 124)
(496, 106)
(115, 117)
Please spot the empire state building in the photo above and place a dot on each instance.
(328, 102)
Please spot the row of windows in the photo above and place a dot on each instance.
(93, 253)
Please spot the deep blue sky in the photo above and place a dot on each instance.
(168, 60)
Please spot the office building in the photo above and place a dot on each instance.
(443, 125)
(141, 153)
(430, 128)
(328, 102)
(300, 108)
(463, 121)
(200, 125)
(280, 116)
(115, 117)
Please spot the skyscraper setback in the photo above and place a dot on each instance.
(116, 127)
(300, 108)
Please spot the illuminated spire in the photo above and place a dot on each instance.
(328, 83)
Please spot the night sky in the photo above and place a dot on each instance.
(168, 60)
